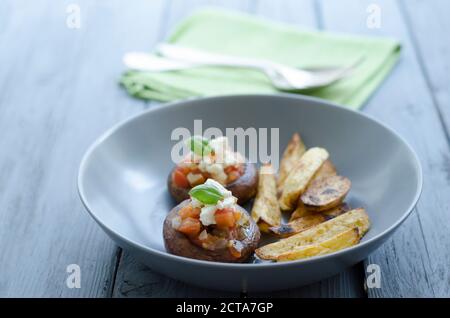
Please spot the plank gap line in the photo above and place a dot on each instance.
(423, 69)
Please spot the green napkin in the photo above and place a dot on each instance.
(242, 35)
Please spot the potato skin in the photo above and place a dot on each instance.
(177, 243)
(243, 188)
(326, 193)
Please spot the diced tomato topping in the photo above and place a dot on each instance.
(234, 172)
(206, 175)
(190, 226)
(235, 253)
(233, 176)
(189, 212)
(195, 170)
(185, 170)
(225, 218)
(179, 178)
(229, 169)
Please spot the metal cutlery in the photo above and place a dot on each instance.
(282, 77)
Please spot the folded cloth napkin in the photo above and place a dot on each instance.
(238, 34)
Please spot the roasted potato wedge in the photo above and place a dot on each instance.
(325, 193)
(338, 242)
(336, 211)
(266, 211)
(298, 225)
(327, 170)
(307, 221)
(356, 218)
(299, 178)
(291, 156)
(299, 211)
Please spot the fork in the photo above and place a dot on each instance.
(282, 77)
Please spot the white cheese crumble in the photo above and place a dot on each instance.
(176, 222)
(207, 213)
(226, 203)
(196, 203)
(194, 178)
(223, 153)
(220, 144)
(217, 172)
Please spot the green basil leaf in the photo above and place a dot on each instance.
(206, 194)
(199, 146)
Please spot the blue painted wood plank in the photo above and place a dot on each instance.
(429, 27)
(59, 92)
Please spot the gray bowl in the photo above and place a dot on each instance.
(122, 182)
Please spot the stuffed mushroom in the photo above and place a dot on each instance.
(211, 226)
(213, 159)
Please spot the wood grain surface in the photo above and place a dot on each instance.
(59, 91)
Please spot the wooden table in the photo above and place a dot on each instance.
(59, 91)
